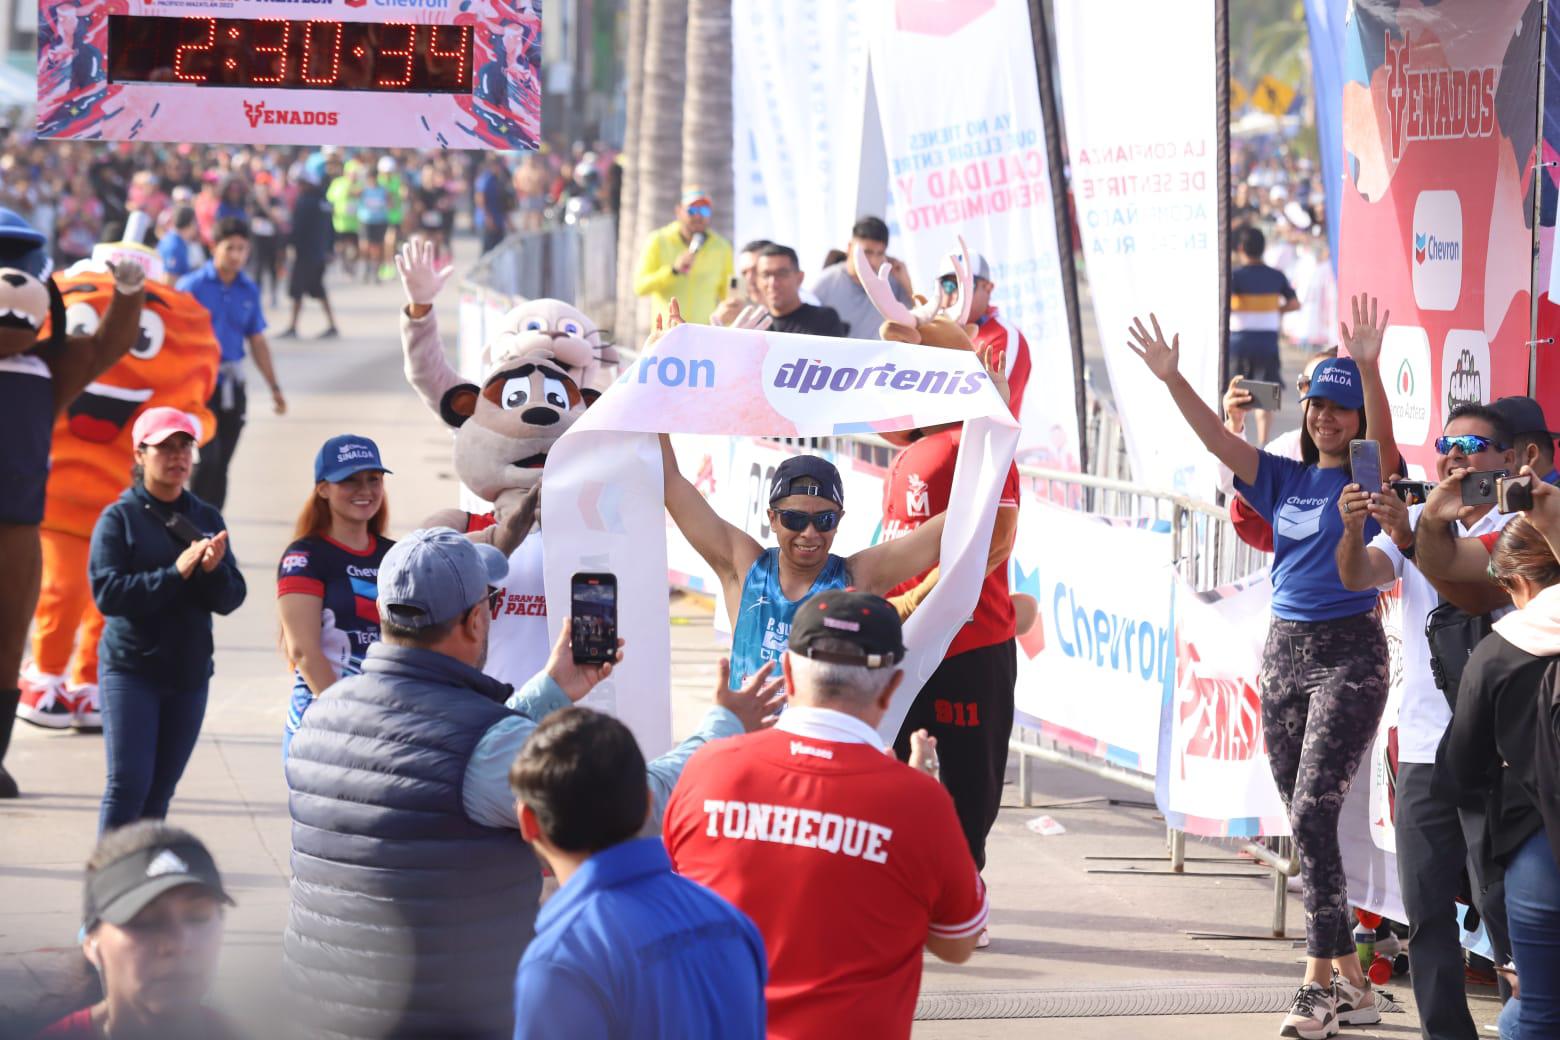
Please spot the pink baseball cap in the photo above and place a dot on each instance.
(156, 425)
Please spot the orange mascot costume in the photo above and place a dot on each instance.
(173, 363)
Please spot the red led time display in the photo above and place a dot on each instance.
(306, 54)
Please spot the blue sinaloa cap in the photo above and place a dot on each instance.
(344, 455)
(1338, 380)
(436, 574)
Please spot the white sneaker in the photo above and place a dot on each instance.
(1356, 1005)
(984, 939)
(1312, 1016)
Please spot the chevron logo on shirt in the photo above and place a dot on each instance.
(1299, 518)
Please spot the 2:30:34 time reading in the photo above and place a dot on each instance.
(306, 54)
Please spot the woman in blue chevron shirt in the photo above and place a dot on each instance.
(327, 581)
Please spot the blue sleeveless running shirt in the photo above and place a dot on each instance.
(763, 625)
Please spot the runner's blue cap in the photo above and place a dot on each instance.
(436, 574)
(344, 455)
(1338, 380)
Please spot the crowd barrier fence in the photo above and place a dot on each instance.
(574, 262)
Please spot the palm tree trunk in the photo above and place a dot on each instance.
(707, 127)
(628, 202)
(659, 159)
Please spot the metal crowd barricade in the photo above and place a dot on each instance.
(572, 262)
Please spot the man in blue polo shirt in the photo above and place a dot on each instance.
(626, 948)
(233, 300)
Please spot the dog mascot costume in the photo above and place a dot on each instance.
(173, 363)
(39, 377)
(539, 373)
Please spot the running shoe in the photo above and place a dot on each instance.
(89, 708)
(1312, 1016)
(289, 332)
(1356, 1005)
(45, 701)
(330, 333)
(984, 940)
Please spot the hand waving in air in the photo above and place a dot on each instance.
(1162, 358)
(1364, 343)
(129, 277)
(421, 277)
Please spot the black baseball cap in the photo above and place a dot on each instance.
(867, 622)
(119, 890)
(1524, 415)
(807, 475)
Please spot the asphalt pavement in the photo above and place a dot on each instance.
(1091, 933)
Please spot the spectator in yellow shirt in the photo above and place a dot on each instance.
(686, 260)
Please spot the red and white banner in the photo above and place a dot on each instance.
(1437, 210)
(1217, 776)
(1139, 91)
(965, 141)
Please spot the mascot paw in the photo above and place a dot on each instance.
(129, 277)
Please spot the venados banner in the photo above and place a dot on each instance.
(604, 496)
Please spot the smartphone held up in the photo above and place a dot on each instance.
(593, 617)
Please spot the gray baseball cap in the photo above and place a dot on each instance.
(435, 575)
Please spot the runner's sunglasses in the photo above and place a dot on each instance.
(798, 519)
(700, 211)
(1467, 443)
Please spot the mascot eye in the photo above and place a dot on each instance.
(517, 392)
(534, 325)
(150, 339)
(571, 327)
(555, 393)
(82, 319)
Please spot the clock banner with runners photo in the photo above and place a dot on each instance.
(1439, 108)
(374, 73)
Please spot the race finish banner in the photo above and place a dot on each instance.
(605, 493)
(799, 93)
(1438, 125)
(1144, 167)
(1091, 672)
(391, 73)
(965, 140)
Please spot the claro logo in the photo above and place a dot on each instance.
(1438, 249)
(258, 113)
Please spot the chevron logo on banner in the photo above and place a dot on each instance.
(601, 506)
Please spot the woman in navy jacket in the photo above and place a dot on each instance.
(159, 568)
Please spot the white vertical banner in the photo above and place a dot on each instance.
(965, 138)
(1139, 93)
(799, 88)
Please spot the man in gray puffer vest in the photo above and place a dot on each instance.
(413, 895)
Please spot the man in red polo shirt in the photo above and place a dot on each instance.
(847, 860)
(967, 704)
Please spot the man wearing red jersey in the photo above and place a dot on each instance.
(847, 860)
(967, 704)
(990, 334)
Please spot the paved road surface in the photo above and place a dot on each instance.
(1057, 927)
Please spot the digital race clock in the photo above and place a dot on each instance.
(402, 73)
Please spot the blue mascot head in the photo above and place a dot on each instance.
(26, 295)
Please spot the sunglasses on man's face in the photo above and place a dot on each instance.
(798, 519)
(700, 211)
(1467, 443)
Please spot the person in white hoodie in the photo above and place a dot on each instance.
(1490, 747)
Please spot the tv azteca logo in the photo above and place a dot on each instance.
(258, 112)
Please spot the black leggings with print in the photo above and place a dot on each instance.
(1324, 685)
